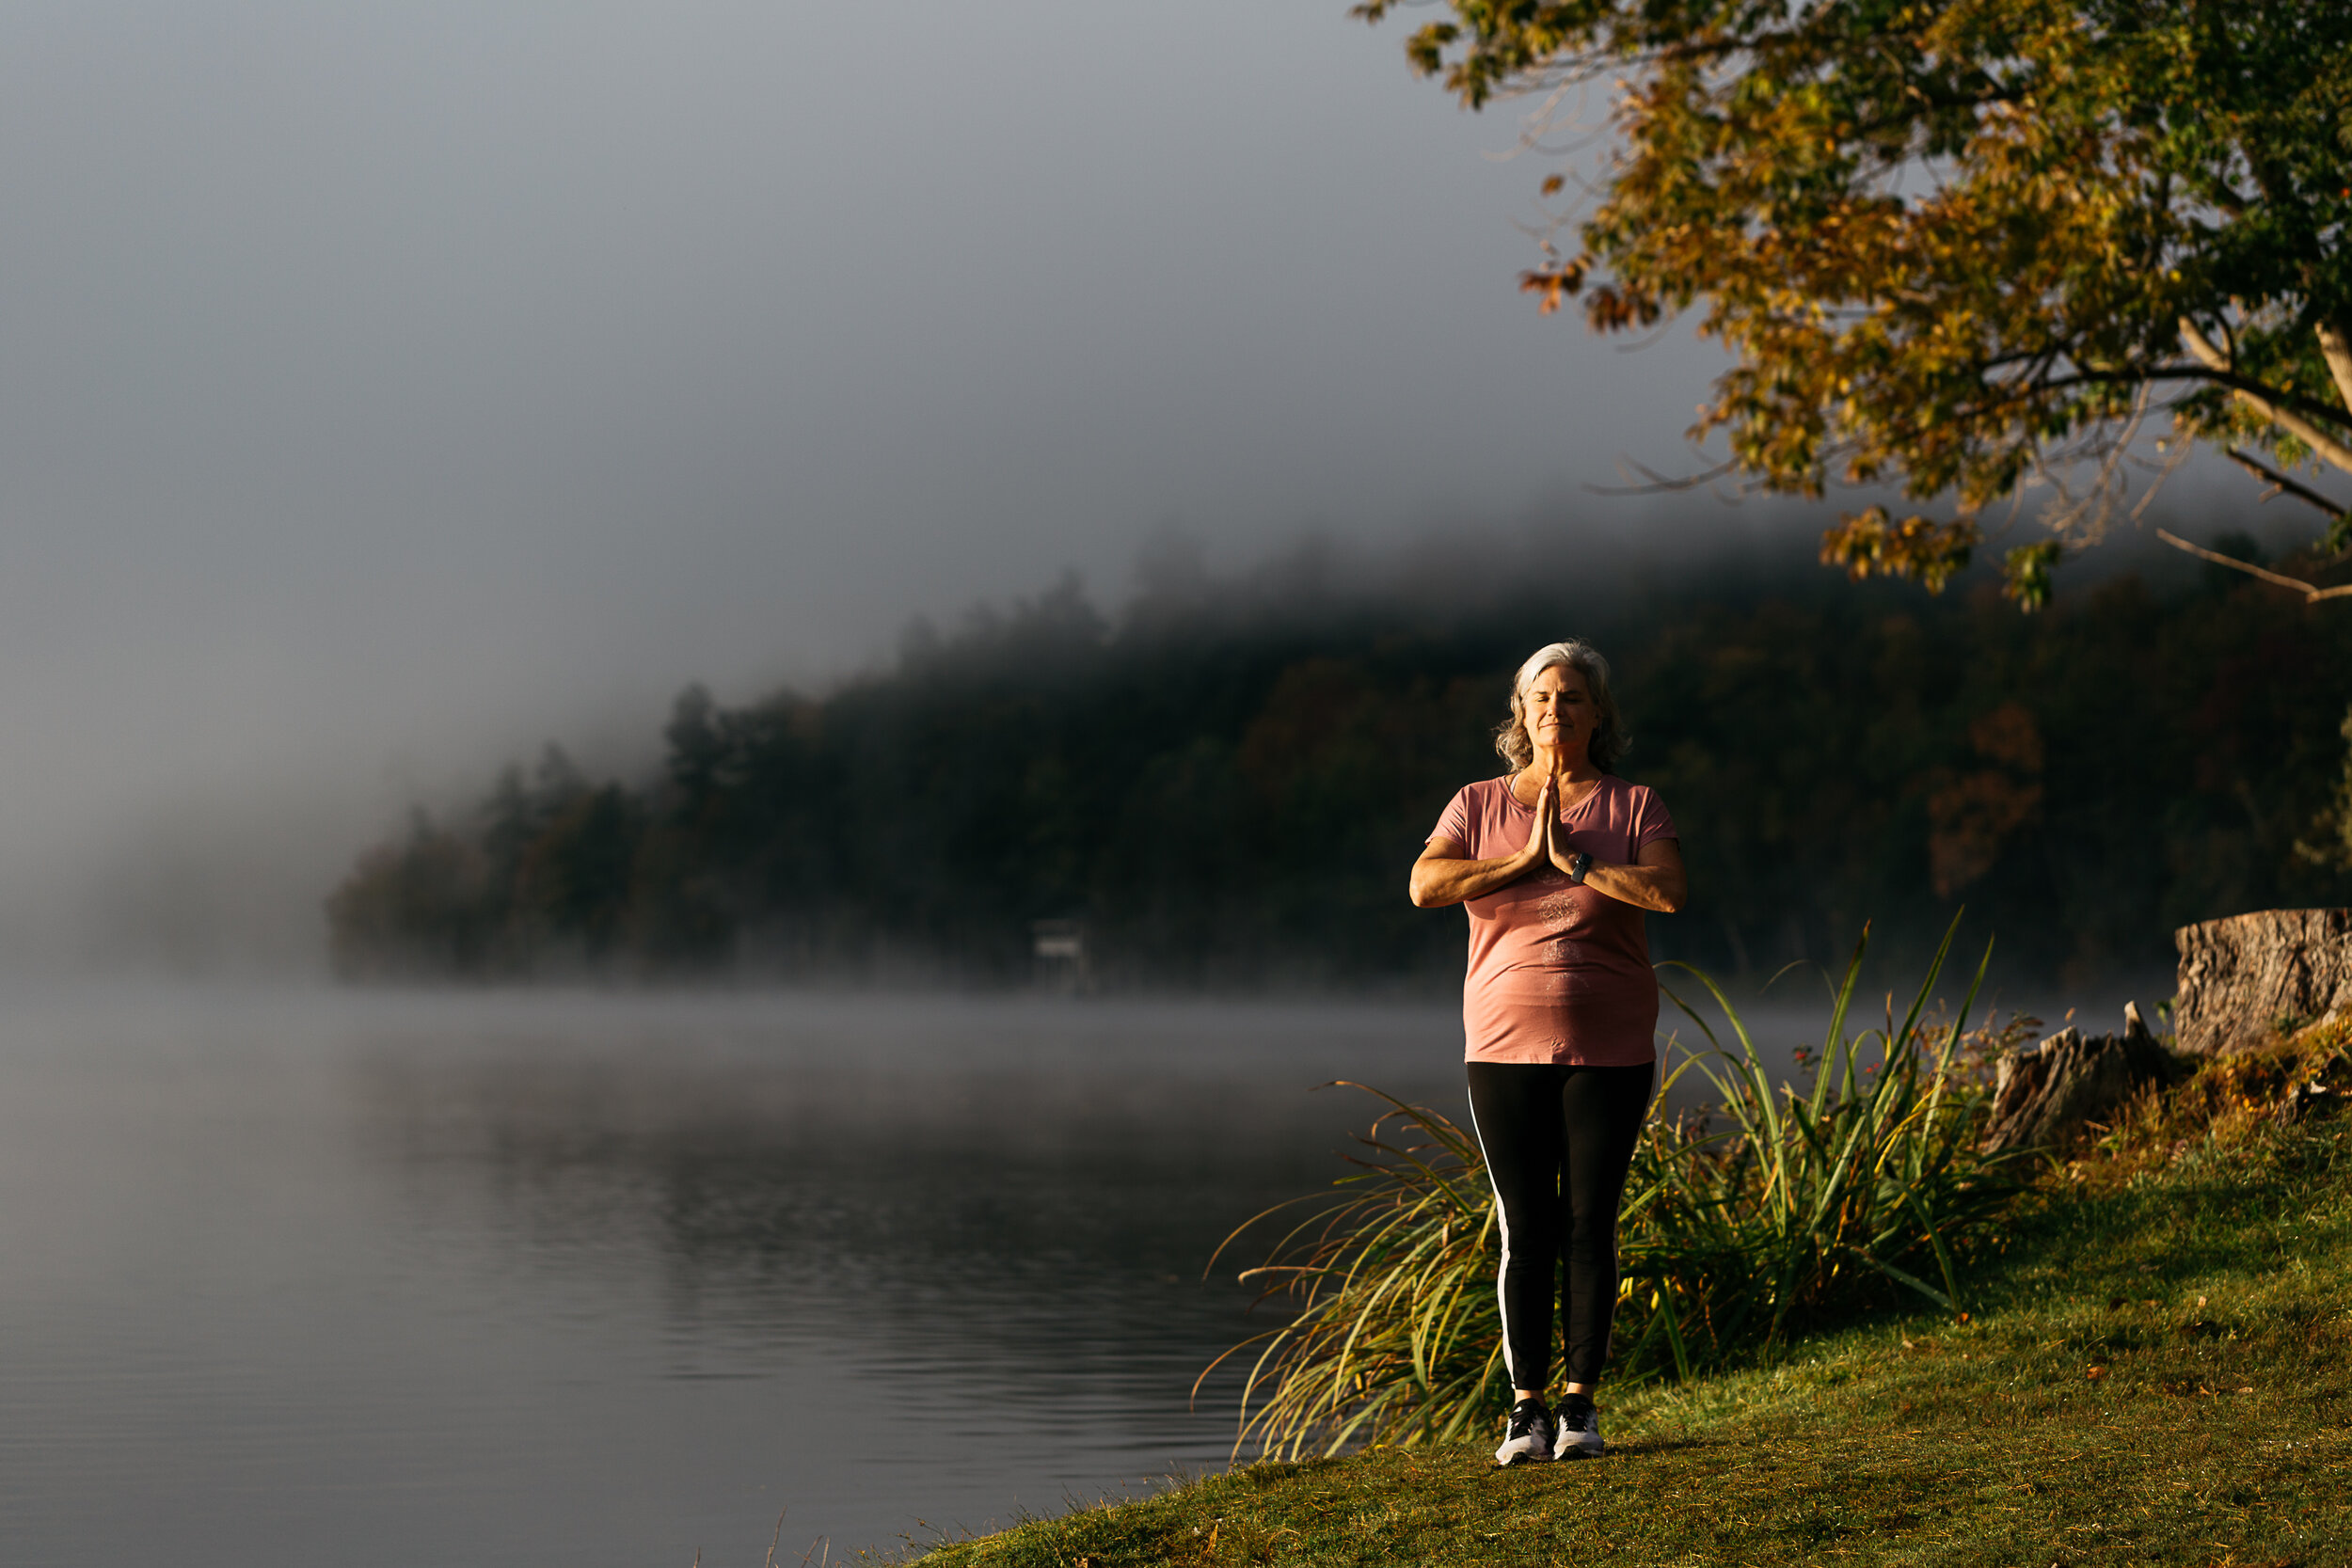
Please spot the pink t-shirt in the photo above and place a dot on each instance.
(1558, 973)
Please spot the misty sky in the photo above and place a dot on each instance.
(390, 386)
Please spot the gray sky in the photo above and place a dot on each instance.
(390, 386)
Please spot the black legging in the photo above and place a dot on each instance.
(1536, 1122)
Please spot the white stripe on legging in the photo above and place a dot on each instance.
(1502, 1223)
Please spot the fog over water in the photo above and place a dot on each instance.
(509, 1280)
(391, 387)
(392, 1278)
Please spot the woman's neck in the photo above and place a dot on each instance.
(1575, 770)
(1576, 780)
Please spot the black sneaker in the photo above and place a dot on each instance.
(1530, 1436)
(1578, 1427)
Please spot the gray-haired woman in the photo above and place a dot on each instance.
(1556, 862)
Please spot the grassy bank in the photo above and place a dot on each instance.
(2154, 1372)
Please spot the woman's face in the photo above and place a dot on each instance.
(1558, 709)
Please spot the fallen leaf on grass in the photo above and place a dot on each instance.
(2095, 1373)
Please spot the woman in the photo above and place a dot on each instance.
(1555, 861)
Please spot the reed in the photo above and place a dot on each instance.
(1778, 1209)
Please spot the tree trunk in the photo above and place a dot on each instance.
(2046, 1095)
(2246, 980)
(2336, 348)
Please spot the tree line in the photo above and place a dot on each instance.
(1226, 782)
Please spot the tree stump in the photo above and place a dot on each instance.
(2046, 1095)
(2242, 978)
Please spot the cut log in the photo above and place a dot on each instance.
(2243, 978)
(2046, 1095)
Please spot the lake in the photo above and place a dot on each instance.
(517, 1278)
(613, 1278)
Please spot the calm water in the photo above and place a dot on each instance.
(511, 1279)
(492, 1279)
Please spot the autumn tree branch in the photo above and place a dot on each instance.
(2331, 450)
(2282, 484)
(2091, 193)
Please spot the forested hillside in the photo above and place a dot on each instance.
(1226, 783)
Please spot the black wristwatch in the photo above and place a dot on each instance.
(1579, 866)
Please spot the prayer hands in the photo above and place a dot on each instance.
(1557, 849)
(1540, 832)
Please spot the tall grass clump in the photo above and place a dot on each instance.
(1777, 1209)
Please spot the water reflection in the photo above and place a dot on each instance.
(497, 1279)
(505, 1279)
(991, 1219)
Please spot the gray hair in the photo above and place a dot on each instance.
(1609, 742)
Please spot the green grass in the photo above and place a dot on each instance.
(1782, 1208)
(2155, 1372)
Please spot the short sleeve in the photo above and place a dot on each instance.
(1651, 821)
(1454, 822)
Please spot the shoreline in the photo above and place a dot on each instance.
(2155, 1372)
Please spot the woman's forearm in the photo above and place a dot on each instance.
(1436, 883)
(1661, 888)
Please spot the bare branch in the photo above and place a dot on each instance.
(1659, 484)
(2312, 591)
(1649, 340)
(2282, 484)
(2174, 456)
